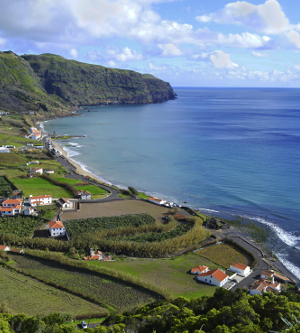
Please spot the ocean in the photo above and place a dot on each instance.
(226, 151)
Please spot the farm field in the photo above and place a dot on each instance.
(171, 274)
(22, 226)
(26, 295)
(116, 208)
(79, 226)
(5, 186)
(93, 189)
(107, 290)
(41, 186)
(10, 138)
(12, 159)
(225, 255)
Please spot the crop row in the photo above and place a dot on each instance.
(19, 225)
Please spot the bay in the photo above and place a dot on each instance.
(231, 151)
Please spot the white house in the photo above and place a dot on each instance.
(240, 269)
(65, 203)
(157, 201)
(12, 203)
(4, 150)
(199, 270)
(10, 211)
(84, 195)
(40, 200)
(267, 274)
(37, 170)
(28, 211)
(4, 248)
(215, 277)
(56, 229)
(264, 286)
(35, 134)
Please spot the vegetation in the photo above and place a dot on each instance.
(47, 212)
(40, 186)
(22, 226)
(26, 295)
(225, 254)
(6, 187)
(93, 189)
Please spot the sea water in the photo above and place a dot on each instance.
(231, 151)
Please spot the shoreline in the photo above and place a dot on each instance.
(82, 171)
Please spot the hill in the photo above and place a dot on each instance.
(53, 85)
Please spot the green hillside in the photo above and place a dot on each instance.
(52, 85)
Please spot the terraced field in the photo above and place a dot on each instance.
(110, 291)
(23, 294)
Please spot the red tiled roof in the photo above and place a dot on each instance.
(240, 266)
(94, 258)
(3, 247)
(199, 269)
(40, 197)
(7, 209)
(56, 224)
(12, 201)
(267, 273)
(262, 283)
(216, 273)
(155, 199)
(179, 217)
(281, 277)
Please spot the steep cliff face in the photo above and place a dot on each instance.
(52, 84)
(83, 84)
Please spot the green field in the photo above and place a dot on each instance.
(23, 294)
(17, 141)
(171, 274)
(41, 186)
(19, 225)
(12, 159)
(93, 189)
(5, 186)
(225, 255)
(110, 291)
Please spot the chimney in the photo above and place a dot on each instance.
(273, 279)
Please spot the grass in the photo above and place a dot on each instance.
(107, 290)
(225, 255)
(41, 186)
(12, 159)
(171, 274)
(26, 295)
(99, 196)
(17, 141)
(142, 195)
(47, 212)
(93, 189)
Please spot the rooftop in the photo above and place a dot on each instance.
(56, 224)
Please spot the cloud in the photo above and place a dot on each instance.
(169, 50)
(74, 53)
(267, 18)
(217, 58)
(2, 41)
(153, 67)
(245, 40)
(261, 55)
(126, 55)
(293, 37)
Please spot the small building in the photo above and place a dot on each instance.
(179, 217)
(264, 286)
(84, 195)
(28, 211)
(240, 269)
(49, 171)
(215, 277)
(10, 147)
(64, 203)
(12, 203)
(10, 211)
(56, 229)
(157, 201)
(16, 194)
(267, 274)
(199, 269)
(4, 150)
(40, 200)
(4, 248)
(35, 134)
(36, 170)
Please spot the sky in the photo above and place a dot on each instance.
(192, 43)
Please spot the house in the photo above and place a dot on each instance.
(56, 229)
(157, 201)
(84, 195)
(35, 134)
(240, 269)
(31, 112)
(4, 150)
(263, 286)
(65, 203)
(4, 248)
(29, 211)
(10, 211)
(215, 277)
(267, 274)
(11, 203)
(36, 170)
(40, 200)
(16, 194)
(199, 269)
(49, 171)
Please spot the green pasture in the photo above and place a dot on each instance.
(17, 141)
(170, 274)
(41, 186)
(26, 295)
(93, 189)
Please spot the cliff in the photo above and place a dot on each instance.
(53, 84)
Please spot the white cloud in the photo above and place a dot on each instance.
(2, 41)
(294, 38)
(267, 18)
(260, 54)
(111, 63)
(169, 50)
(126, 55)
(74, 53)
(221, 60)
(153, 67)
(245, 40)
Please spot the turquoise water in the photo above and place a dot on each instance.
(229, 151)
